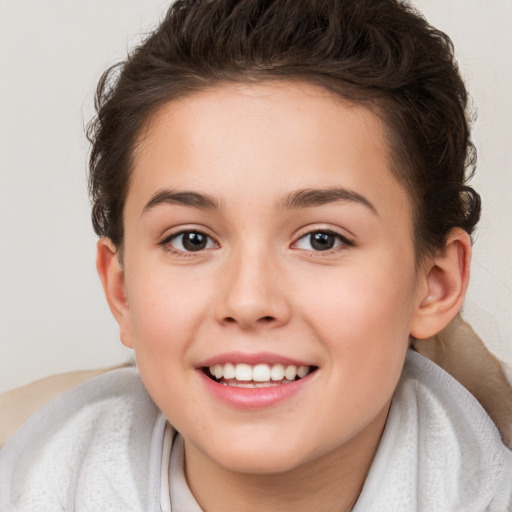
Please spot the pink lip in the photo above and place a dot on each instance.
(254, 398)
(252, 359)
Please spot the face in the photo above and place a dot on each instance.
(266, 238)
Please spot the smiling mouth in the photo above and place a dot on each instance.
(256, 376)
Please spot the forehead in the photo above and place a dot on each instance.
(273, 136)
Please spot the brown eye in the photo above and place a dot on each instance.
(190, 241)
(321, 241)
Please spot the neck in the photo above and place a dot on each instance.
(330, 482)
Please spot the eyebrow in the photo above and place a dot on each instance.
(303, 198)
(311, 197)
(183, 198)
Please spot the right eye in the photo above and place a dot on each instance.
(322, 240)
(189, 241)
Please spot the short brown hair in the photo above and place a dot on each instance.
(380, 52)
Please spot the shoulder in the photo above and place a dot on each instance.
(434, 397)
(462, 353)
(460, 456)
(439, 450)
(97, 436)
(17, 405)
(436, 391)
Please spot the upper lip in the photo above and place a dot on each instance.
(251, 359)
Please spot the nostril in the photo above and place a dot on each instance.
(263, 320)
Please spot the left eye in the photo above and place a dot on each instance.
(190, 241)
(321, 241)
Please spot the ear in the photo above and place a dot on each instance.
(446, 278)
(112, 278)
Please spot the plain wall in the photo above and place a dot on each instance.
(53, 317)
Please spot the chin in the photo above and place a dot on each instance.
(261, 463)
(257, 455)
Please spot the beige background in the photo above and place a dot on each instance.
(53, 316)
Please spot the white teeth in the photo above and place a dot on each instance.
(277, 372)
(240, 384)
(302, 371)
(243, 372)
(228, 372)
(291, 372)
(260, 373)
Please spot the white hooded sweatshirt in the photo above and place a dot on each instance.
(101, 447)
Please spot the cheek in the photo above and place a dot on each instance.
(164, 323)
(362, 312)
(166, 309)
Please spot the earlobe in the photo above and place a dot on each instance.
(112, 278)
(446, 278)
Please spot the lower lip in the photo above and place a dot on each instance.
(254, 398)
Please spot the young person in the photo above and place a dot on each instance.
(280, 190)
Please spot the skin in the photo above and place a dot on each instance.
(260, 286)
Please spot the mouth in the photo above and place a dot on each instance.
(243, 375)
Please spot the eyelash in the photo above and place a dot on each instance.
(166, 243)
(341, 241)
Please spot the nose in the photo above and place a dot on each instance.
(252, 293)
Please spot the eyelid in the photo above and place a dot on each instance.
(178, 229)
(345, 241)
(169, 237)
